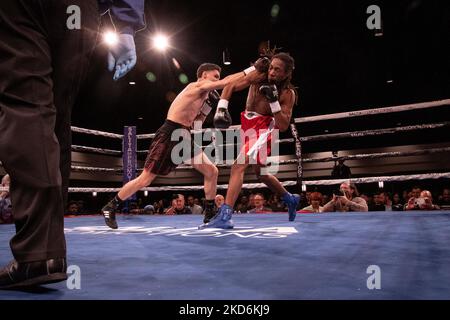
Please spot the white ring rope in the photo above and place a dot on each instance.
(284, 183)
(97, 133)
(96, 150)
(377, 132)
(289, 140)
(425, 176)
(369, 112)
(358, 134)
(145, 136)
(362, 156)
(320, 137)
(379, 155)
(95, 169)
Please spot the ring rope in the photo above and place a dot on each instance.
(369, 112)
(95, 169)
(358, 134)
(425, 176)
(97, 133)
(379, 155)
(96, 150)
(362, 156)
(364, 133)
(145, 136)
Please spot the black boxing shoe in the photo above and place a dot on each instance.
(209, 211)
(29, 274)
(109, 213)
(209, 214)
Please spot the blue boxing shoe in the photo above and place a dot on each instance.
(291, 200)
(221, 220)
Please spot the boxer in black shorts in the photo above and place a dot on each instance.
(159, 159)
(190, 107)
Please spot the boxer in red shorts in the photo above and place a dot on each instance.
(270, 101)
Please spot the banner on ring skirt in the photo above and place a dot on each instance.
(129, 156)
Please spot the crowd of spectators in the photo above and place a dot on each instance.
(342, 198)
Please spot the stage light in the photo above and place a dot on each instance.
(226, 57)
(110, 38)
(160, 42)
(381, 184)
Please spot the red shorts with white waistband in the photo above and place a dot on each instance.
(256, 136)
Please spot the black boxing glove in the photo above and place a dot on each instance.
(270, 91)
(262, 64)
(213, 98)
(222, 118)
(210, 103)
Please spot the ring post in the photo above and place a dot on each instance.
(129, 159)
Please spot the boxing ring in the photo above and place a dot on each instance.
(265, 257)
(318, 256)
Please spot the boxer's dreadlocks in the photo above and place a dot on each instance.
(288, 61)
(289, 68)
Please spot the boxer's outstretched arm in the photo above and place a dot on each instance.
(241, 84)
(220, 84)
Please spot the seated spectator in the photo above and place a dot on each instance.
(260, 204)
(219, 201)
(368, 198)
(381, 202)
(72, 208)
(243, 206)
(304, 200)
(276, 204)
(149, 209)
(315, 199)
(159, 207)
(195, 208)
(444, 200)
(365, 197)
(427, 203)
(346, 199)
(5, 202)
(413, 201)
(251, 202)
(81, 209)
(170, 210)
(178, 206)
(405, 196)
(397, 204)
